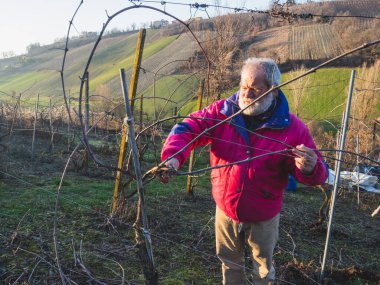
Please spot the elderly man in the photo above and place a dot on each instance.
(248, 195)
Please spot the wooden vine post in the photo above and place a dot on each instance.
(87, 103)
(132, 96)
(141, 122)
(86, 120)
(68, 120)
(189, 184)
(375, 124)
(15, 109)
(51, 126)
(35, 123)
(2, 113)
(143, 238)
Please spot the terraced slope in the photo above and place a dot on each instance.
(272, 43)
(313, 42)
(355, 7)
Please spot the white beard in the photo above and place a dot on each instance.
(259, 107)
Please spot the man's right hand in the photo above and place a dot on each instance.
(165, 176)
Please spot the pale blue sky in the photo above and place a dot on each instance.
(23, 22)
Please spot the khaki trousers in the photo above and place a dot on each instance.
(261, 237)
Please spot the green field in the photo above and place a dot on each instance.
(323, 94)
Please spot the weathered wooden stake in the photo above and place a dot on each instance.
(87, 103)
(189, 186)
(35, 123)
(141, 123)
(107, 131)
(42, 124)
(20, 117)
(375, 124)
(51, 127)
(2, 113)
(132, 95)
(175, 114)
(93, 122)
(68, 120)
(86, 121)
(62, 118)
(14, 114)
(136, 67)
(143, 238)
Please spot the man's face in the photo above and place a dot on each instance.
(254, 84)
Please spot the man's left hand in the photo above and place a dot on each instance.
(172, 166)
(305, 159)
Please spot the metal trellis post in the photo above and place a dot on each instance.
(337, 173)
(143, 237)
(189, 186)
(132, 95)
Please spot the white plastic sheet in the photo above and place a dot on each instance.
(350, 179)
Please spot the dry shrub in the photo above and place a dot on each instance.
(360, 136)
(354, 32)
(297, 95)
(223, 48)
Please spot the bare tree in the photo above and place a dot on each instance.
(223, 45)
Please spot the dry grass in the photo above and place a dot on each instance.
(361, 137)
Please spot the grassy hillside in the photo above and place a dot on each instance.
(22, 81)
(41, 75)
(322, 94)
(179, 89)
(104, 73)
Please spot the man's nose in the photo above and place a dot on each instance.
(251, 93)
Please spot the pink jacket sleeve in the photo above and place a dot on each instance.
(320, 173)
(183, 133)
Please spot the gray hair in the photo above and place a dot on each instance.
(268, 65)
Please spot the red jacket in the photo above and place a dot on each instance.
(250, 191)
